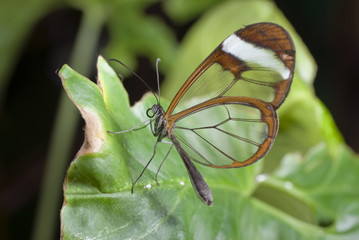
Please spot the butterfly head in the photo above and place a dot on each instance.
(154, 111)
(157, 112)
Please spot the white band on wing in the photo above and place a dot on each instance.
(248, 52)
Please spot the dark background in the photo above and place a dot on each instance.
(329, 28)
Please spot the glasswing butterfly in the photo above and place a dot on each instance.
(234, 124)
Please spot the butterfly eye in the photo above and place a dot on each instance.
(148, 113)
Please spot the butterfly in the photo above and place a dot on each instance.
(233, 124)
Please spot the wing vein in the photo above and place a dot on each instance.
(240, 138)
(258, 82)
(227, 88)
(193, 149)
(211, 144)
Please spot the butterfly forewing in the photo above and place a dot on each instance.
(209, 85)
(256, 61)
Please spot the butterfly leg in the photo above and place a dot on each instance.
(144, 169)
(135, 128)
(159, 168)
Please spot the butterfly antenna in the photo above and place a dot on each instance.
(158, 80)
(136, 75)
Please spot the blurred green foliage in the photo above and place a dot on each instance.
(306, 189)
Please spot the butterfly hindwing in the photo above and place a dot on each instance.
(233, 132)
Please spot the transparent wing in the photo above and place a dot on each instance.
(256, 61)
(226, 132)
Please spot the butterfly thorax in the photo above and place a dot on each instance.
(159, 128)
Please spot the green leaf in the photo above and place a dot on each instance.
(100, 179)
(311, 195)
(326, 183)
(99, 204)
